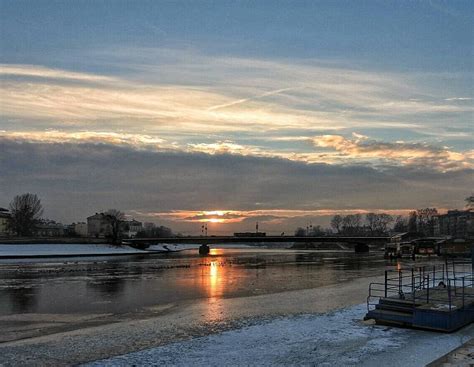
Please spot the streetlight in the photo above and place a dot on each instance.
(204, 229)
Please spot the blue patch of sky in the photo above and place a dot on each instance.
(404, 35)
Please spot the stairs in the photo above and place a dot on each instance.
(393, 311)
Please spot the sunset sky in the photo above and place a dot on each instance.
(281, 112)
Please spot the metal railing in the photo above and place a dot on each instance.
(444, 286)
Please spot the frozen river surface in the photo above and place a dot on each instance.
(335, 339)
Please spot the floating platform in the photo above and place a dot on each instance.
(425, 298)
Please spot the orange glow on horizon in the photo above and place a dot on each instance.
(215, 216)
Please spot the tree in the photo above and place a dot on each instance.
(351, 224)
(317, 231)
(382, 223)
(155, 232)
(115, 218)
(25, 213)
(300, 232)
(412, 222)
(470, 202)
(336, 223)
(371, 220)
(426, 220)
(401, 224)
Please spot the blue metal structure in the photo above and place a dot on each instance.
(436, 298)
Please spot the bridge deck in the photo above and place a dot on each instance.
(269, 239)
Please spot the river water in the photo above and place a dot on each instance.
(126, 284)
(88, 309)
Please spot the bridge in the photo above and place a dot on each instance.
(360, 242)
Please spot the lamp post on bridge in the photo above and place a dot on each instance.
(204, 230)
(204, 248)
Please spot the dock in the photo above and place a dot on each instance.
(438, 298)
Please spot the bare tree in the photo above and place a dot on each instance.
(412, 222)
(351, 224)
(470, 202)
(426, 220)
(371, 220)
(336, 223)
(401, 224)
(26, 211)
(300, 232)
(383, 222)
(115, 218)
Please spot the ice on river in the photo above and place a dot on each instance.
(35, 250)
(334, 339)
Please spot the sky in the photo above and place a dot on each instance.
(233, 112)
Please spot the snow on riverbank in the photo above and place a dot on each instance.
(56, 250)
(333, 339)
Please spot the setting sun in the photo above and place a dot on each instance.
(214, 220)
(215, 216)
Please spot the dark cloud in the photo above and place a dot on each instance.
(263, 218)
(75, 180)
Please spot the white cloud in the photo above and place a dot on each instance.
(458, 99)
(400, 153)
(20, 70)
(188, 97)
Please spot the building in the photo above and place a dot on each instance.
(49, 228)
(149, 227)
(455, 223)
(98, 226)
(4, 216)
(77, 229)
(132, 227)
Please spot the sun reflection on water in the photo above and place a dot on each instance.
(215, 251)
(213, 278)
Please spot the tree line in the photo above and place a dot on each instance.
(420, 221)
(26, 210)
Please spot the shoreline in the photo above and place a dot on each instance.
(52, 241)
(45, 251)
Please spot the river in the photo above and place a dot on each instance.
(75, 310)
(127, 284)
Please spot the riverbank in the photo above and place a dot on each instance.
(51, 240)
(459, 357)
(40, 250)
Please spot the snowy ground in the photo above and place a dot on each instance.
(42, 250)
(334, 339)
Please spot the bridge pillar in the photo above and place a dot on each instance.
(204, 249)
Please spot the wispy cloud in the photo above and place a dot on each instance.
(458, 99)
(20, 70)
(225, 94)
(209, 104)
(239, 101)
